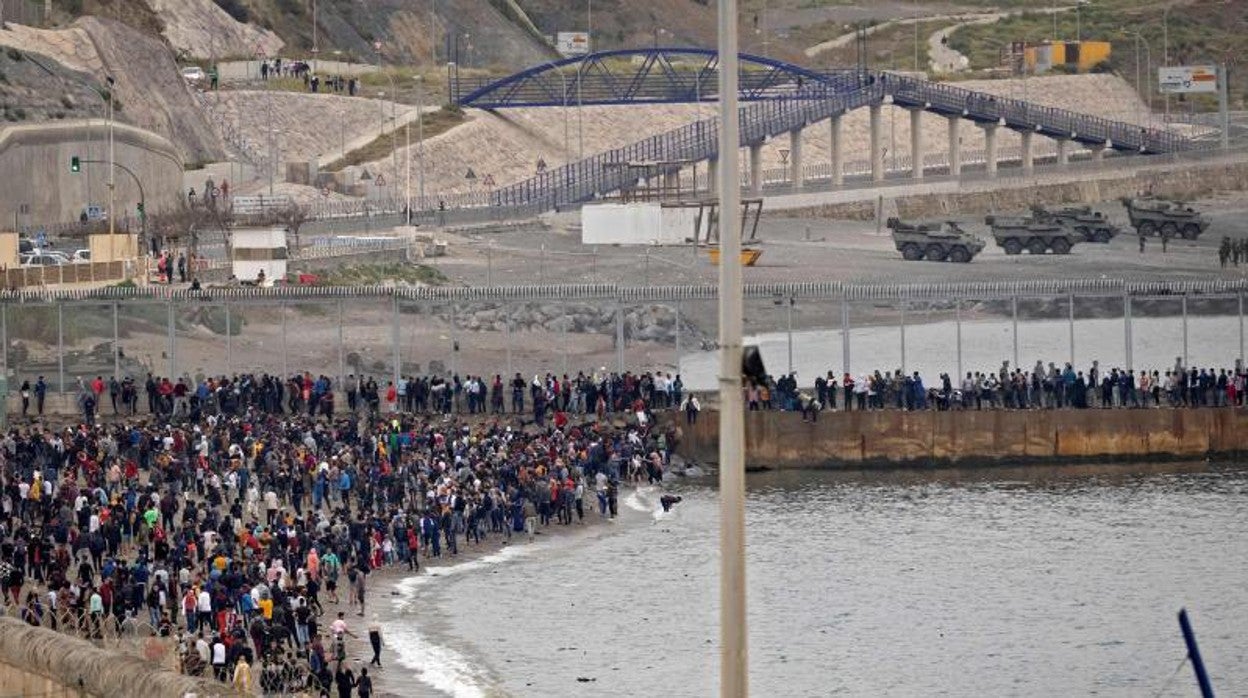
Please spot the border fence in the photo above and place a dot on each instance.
(803, 328)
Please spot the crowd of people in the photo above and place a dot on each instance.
(228, 514)
(545, 397)
(1043, 387)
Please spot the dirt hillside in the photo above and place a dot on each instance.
(150, 91)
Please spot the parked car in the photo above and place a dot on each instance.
(194, 74)
(42, 259)
(81, 256)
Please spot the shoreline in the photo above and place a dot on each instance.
(385, 585)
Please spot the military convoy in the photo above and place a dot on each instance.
(1055, 230)
(1094, 226)
(937, 242)
(1017, 233)
(1150, 216)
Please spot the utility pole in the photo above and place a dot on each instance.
(112, 164)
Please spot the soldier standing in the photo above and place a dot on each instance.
(1224, 251)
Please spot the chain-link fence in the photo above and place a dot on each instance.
(807, 329)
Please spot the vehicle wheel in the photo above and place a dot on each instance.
(911, 252)
(935, 252)
(1147, 228)
(1191, 231)
(1036, 246)
(960, 255)
(1060, 246)
(1012, 246)
(1101, 236)
(1170, 230)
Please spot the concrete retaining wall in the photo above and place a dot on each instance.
(893, 438)
(39, 187)
(40, 662)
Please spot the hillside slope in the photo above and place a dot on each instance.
(150, 91)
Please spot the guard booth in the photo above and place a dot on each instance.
(256, 250)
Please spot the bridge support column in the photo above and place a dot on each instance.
(1063, 151)
(1028, 156)
(990, 148)
(1098, 153)
(796, 165)
(838, 168)
(756, 169)
(877, 151)
(955, 145)
(917, 152)
(671, 182)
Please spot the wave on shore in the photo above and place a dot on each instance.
(440, 666)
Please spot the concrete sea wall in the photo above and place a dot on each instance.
(40, 662)
(891, 438)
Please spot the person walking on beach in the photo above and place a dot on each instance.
(374, 639)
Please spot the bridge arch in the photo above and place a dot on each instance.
(659, 75)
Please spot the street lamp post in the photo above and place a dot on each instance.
(1165, 51)
(112, 163)
(420, 138)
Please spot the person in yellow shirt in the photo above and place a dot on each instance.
(266, 608)
(242, 676)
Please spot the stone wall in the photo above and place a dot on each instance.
(40, 662)
(892, 438)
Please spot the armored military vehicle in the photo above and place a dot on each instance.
(1017, 233)
(1151, 216)
(1094, 226)
(937, 242)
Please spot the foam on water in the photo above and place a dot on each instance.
(442, 667)
(643, 499)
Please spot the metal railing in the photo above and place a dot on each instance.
(607, 172)
(831, 290)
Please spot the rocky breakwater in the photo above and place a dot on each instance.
(645, 323)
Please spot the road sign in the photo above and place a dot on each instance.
(570, 44)
(1183, 79)
(470, 175)
(488, 181)
(380, 181)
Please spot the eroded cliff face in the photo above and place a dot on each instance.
(70, 67)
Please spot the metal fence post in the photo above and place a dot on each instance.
(1184, 301)
(394, 339)
(563, 341)
(454, 339)
(342, 359)
(1070, 304)
(229, 340)
(903, 336)
(172, 330)
(678, 337)
(957, 325)
(845, 335)
(1126, 328)
(619, 336)
(116, 345)
(508, 311)
(285, 365)
(4, 334)
(1014, 316)
(60, 346)
(1241, 329)
(790, 334)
